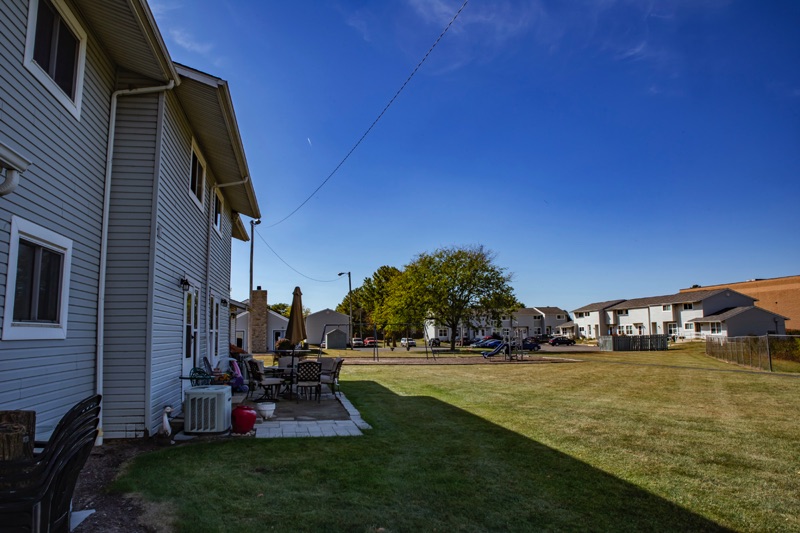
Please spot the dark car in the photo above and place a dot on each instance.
(434, 342)
(558, 341)
(531, 343)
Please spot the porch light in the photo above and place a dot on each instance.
(185, 284)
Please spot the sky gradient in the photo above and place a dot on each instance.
(602, 149)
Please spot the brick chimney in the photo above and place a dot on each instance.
(258, 321)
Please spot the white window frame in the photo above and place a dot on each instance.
(15, 331)
(213, 328)
(628, 329)
(667, 307)
(218, 215)
(716, 328)
(73, 106)
(199, 202)
(622, 312)
(688, 307)
(442, 332)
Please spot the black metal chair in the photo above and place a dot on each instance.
(308, 377)
(36, 494)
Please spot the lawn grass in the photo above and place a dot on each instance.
(655, 441)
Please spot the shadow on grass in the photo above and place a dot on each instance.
(424, 466)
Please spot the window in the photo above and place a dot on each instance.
(716, 327)
(213, 330)
(581, 330)
(622, 312)
(620, 330)
(667, 307)
(688, 306)
(37, 286)
(629, 330)
(197, 179)
(442, 332)
(672, 328)
(506, 332)
(55, 51)
(218, 213)
(559, 317)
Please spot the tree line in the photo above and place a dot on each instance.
(451, 286)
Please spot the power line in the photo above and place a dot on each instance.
(353, 149)
(291, 267)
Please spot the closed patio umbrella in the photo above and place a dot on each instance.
(296, 329)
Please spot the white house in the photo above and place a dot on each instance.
(521, 323)
(591, 321)
(318, 324)
(276, 329)
(693, 315)
(122, 181)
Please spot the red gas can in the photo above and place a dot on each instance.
(243, 418)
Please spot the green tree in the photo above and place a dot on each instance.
(449, 286)
(375, 292)
(284, 309)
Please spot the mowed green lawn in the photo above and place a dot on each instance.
(669, 441)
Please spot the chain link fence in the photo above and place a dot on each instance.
(774, 353)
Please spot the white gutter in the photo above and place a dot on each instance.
(208, 252)
(101, 288)
(14, 164)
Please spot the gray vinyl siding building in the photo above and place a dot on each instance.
(63, 194)
(134, 350)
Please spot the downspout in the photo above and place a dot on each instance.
(208, 252)
(101, 288)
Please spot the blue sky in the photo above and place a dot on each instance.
(602, 149)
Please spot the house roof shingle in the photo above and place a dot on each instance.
(679, 298)
(725, 314)
(597, 306)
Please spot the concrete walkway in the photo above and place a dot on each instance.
(275, 429)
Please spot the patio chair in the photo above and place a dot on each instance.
(36, 494)
(332, 378)
(270, 385)
(308, 378)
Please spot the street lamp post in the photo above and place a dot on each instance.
(350, 302)
(253, 224)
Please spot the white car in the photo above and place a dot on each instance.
(357, 342)
(406, 343)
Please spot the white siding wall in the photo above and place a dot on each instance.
(62, 190)
(128, 278)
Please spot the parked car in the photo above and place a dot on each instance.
(370, 342)
(530, 343)
(558, 341)
(434, 342)
(407, 342)
(487, 343)
(357, 342)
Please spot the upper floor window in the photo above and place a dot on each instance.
(37, 287)
(559, 317)
(197, 180)
(688, 306)
(622, 312)
(55, 51)
(667, 307)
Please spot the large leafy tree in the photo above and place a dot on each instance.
(449, 286)
(375, 291)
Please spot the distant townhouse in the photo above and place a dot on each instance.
(694, 315)
(779, 295)
(591, 321)
(521, 323)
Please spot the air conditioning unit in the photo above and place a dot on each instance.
(207, 409)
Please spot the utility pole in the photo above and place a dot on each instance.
(350, 302)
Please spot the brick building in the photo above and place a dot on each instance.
(779, 295)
